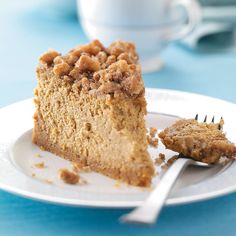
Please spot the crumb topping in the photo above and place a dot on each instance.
(68, 176)
(97, 69)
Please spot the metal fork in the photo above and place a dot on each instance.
(149, 211)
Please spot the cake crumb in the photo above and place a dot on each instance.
(39, 165)
(38, 155)
(48, 181)
(83, 181)
(33, 174)
(172, 160)
(152, 141)
(164, 167)
(160, 159)
(152, 131)
(68, 177)
(162, 156)
(42, 148)
(117, 184)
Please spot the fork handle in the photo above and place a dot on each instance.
(148, 212)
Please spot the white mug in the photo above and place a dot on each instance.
(150, 24)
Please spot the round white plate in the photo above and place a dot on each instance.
(18, 156)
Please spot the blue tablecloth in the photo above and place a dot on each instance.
(27, 29)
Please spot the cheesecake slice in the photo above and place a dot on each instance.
(201, 141)
(90, 109)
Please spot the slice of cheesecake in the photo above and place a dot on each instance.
(90, 109)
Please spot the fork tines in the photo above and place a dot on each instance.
(212, 120)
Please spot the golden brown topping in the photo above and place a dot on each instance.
(49, 56)
(118, 48)
(110, 60)
(61, 69)
(92, 48)
(102, 57)
(86, 63)
(68, 176)
(127, 57)
(108, 71)
(120, 76)
(110, 87)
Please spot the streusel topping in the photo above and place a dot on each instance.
(97, 69)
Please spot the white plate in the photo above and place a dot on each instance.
(18, 156)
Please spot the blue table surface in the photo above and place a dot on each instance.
(29, 28)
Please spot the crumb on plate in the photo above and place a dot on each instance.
(172, 160)
(39, 165)
(152, 141)
(117, 184)
(152, 131)
(68, 177)
(48, 181)
(164, 167)
(42, 148)
(160, 159)
(38, 155)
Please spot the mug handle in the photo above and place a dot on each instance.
(194, 15)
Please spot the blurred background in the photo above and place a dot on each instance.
(29, 27)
